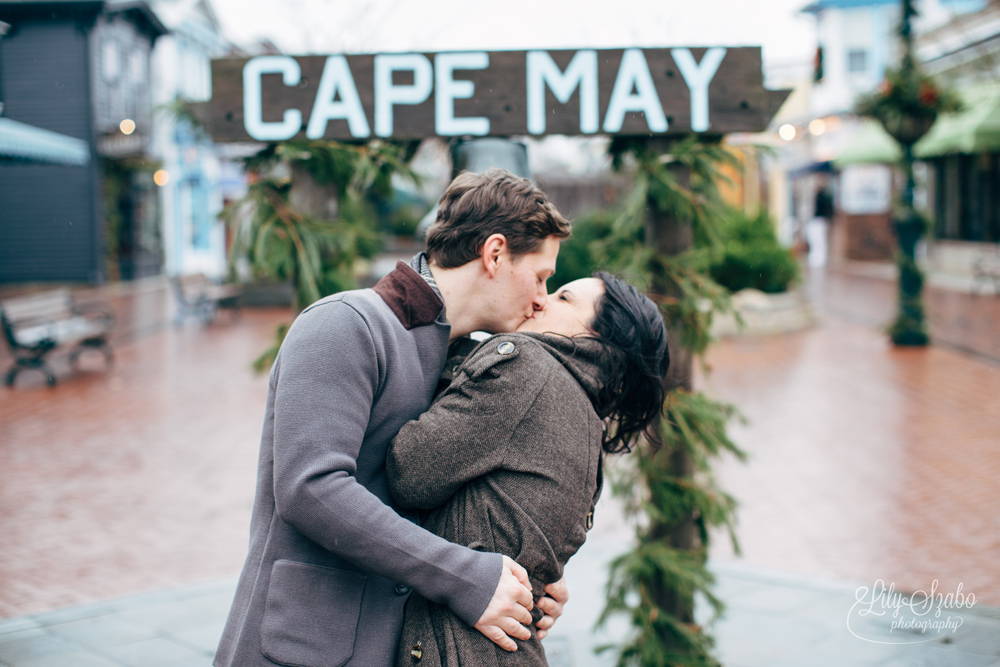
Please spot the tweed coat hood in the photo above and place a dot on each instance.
(507, 459)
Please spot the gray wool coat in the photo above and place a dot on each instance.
(507, 459)
(331, 562)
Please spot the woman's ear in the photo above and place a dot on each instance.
(494, 251)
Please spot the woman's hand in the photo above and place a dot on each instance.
(557, 595)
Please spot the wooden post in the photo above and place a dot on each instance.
(667, 235)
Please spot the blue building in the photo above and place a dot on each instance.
(192, 180)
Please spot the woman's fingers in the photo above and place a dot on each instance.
(559, 592)
(551, 604)
(543, 624)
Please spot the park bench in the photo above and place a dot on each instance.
(37, 324)
(984, 270)
(199, 297)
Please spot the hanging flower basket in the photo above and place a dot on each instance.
(907, 130)
(907, 104)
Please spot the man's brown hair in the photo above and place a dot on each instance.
(476, 206)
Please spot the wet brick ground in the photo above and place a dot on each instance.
(867, 462)
(132, 479)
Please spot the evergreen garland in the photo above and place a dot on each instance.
(316, 255)
(655, 583)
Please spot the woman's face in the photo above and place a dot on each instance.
(569, 310)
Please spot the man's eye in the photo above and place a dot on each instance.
(562, 296)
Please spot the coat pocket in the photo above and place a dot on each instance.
(311, 615)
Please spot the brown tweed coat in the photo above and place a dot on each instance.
(508, 459)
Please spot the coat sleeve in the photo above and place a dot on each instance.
(325, 380)
(467, 431)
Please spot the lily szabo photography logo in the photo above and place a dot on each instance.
(883, 616)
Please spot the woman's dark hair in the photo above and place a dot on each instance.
(632, 372)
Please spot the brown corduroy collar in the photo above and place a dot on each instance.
(409, 297)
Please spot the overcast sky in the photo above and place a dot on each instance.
(366, 26)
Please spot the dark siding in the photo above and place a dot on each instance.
(48, 229)
(43, 76)
(45, 223)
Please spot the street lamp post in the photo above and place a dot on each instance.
(907, 104)
(909, 328)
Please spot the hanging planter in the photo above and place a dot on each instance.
(906, 104)
(907, 130)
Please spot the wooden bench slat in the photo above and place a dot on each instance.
(62, 332)
(54, 305)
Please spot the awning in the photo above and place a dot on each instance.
(975, 129)
(20, 141)
(871, 144)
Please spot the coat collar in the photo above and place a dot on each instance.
(409, 297)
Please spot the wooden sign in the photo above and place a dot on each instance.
(665, 91)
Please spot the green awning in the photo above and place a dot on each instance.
(20, 141)
(975, 129)
(871, 144)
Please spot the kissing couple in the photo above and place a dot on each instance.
(418, 493)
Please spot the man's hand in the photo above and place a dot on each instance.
(507, 613)
(552, 605)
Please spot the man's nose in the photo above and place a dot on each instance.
(541, 299)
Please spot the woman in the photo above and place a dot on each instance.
(508, 458)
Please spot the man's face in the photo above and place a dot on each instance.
(519, 288)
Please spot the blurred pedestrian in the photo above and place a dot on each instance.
(331, 562)
(818, 227)
(509, 458)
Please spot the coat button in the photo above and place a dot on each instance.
(402, 589)
(590, 520)
(416, 652)
(505, 347)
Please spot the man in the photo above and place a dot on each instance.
(331, 563)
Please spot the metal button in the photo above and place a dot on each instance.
(505, 348)
(416, 652)
(402, 589)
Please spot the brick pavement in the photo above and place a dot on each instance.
(134, 479)
(868, 295)
(867, 461)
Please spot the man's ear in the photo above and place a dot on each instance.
(494, 251)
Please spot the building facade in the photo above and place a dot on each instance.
(856, 42)
(193, 181)
(81, 69)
